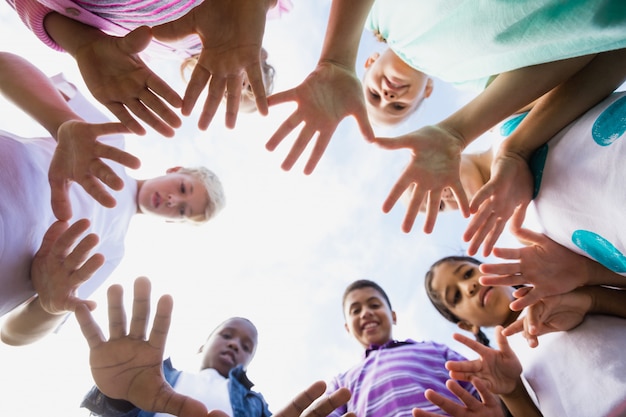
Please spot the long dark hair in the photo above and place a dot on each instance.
(438, 302)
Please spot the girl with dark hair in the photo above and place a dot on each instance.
(455, 287)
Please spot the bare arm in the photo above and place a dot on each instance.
(505, 194)
(28, 323)
(30, 89)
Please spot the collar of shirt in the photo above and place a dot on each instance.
(389, 345)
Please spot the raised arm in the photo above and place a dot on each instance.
(509, 190)
(78, 156)
(331, 92)
(59, 267)
(435, 150)
(116, 76)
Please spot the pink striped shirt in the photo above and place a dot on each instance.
(118, 17)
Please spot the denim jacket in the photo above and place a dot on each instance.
(244, 401)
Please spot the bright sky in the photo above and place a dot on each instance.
(281, 252)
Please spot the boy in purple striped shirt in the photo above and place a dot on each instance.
(393, 376)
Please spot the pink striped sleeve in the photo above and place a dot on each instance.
(282, 7)
(32, 14)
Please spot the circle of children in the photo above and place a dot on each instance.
(547, 71)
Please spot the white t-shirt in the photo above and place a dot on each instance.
(206, 386)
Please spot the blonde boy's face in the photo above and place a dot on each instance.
(368, 317)
(393, 90)
(174, 196)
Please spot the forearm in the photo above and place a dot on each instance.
(519, 402)
(344, 30)
(566, 102)
(28, 323)
(609, 301)
(32, 91)
(509, 92)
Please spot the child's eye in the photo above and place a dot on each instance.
(247, 348)
(457, 297)
(181, 211)
(356, 311)
(374, 95)
(468, 274)
(182, 187)
(399, 107)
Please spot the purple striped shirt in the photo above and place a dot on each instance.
(391, 380)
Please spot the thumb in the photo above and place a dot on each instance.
(174, 30)
(526, 236)
(390, 143)
(60, 199)
(137, 40)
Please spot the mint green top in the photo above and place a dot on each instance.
(467, 41)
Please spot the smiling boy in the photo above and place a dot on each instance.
(393, 375)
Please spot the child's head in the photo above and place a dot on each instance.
(247, 103)
(453, 288)
(393, 89)
(192, 195)
(368, 314)
(232, 343)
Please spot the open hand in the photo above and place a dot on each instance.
(434, 165)
(119, 79)
(328, 95)
(60, 266)
(128, 366)
(231, 33)
(506, 195)
(78, 157)
(310, 403)
(549, 268)
(552, 314)
(471, 407)
(499, 369)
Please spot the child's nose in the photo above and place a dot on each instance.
(390, 95)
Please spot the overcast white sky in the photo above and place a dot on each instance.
(281, 252)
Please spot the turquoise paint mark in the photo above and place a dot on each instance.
(510, 125)
(600, 249)
(611, 124)
(536, 164)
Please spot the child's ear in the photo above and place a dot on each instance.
(468, 327)
(345, 326)
(173, 169)
(393, 317)
(264, 54)
(371, 59)
(429, 88)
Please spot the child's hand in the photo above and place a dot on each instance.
(325, 97)
(435, 162)
(506, 194)
(500, 369)
(552, 314)
(548, 267)
(231, 33)
(77, 157)
(129, 367)
(488, 407)
(61, 265)
(119, 79)
(310, 403)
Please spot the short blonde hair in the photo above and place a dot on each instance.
(214, 189)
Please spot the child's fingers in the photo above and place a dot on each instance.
(117, 314)
(255, 78)
(513, 328)
(233, 98)
(162, 320)
(298, 147)
(318, 151)
(461, 198)
(282, 97)
(123, 115)
(217, 87)
(470, 343)
(141, 309)
(88, 326)
(283, 131)
(529, 299)
(199, 79)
